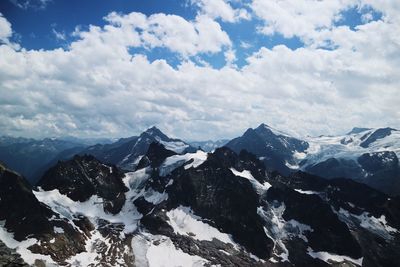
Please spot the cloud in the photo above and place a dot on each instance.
(221, 9)
(98, 87)
(31, 4)
(5, 29)
(59, 35)
(188, 38)
(298, 18)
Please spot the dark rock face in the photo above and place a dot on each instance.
(213, 192)
(378, 134)
(85, 176)
(347, 199)
(25, 217)
(21, 206)
(383, 171)
(329, 233)
(275, 149)
(374, 162)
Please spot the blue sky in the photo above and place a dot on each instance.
(197, 68)
(35, 24)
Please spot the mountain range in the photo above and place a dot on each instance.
(263, 199)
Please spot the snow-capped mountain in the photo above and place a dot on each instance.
(127, 152)
(209, 145)
(366, 155)
(276, 149)
(193, 209)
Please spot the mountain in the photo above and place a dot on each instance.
(127, 152)
(276, 149)
(195, 209)
(24, 220)
(28, 156)
(209, 145)
(366, 155)
(32, 157)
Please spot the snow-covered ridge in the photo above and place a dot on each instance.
(348, 146)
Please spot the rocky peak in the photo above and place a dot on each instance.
(85, 176)
(154, 132)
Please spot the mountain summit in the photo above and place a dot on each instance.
(276, 149)
(126, 153)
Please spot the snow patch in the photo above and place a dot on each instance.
(58, 230)
(173, 162)
(92, 209)
(256, 184)
(306, 192)
(369, 222)
(157, 251)
(332, 258)
(176, 146)
(184, 222)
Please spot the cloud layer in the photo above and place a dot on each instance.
(342, 77)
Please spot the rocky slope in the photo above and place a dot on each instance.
(195, 209)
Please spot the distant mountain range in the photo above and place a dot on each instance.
(31, 157)
(209, 145)
(366, 155)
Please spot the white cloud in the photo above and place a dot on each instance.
(221, 9)
(299, 18)
(5, 29)
(188, 38)
(97, 88)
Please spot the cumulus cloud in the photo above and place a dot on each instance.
(96, 87)
(188, 38)
(5, 29)
(309, 19)
(298, 18)
(221, 9)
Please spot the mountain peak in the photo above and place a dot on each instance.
(154, 131)
(262, 127)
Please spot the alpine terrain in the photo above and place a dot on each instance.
(172, 205)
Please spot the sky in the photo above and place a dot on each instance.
(197, 69)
